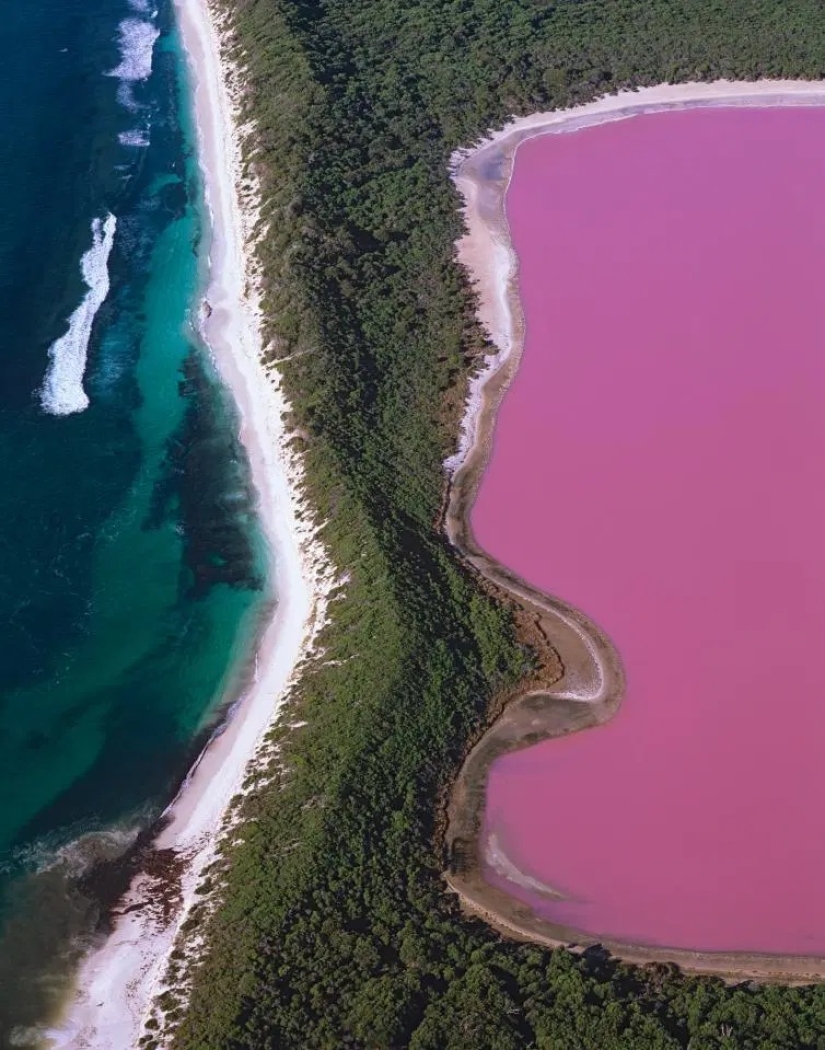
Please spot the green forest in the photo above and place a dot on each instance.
(334, 928)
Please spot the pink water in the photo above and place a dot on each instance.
(659, 462)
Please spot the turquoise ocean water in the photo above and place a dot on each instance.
(132, 568)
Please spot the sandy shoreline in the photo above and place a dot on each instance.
(117, 983)
(590, 689)
(482, 175)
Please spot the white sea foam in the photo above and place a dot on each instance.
(76, 849)
(137, 137)
(143, 6)
(137, 41)
(62, 392)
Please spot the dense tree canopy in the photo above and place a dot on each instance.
(335, 929)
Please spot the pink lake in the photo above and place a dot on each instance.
(659, 462)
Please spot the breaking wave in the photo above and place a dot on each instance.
(137, 42)
(62, 392)
(137, 137)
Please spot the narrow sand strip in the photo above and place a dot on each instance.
(589, 692)
(482, 174)
(118, 981)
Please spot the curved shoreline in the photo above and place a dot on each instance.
(121, 978)
(590, 689)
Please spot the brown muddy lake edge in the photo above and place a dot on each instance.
(589, 689)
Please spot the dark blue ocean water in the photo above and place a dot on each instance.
(132, 570)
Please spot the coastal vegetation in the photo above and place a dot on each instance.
(333, 926)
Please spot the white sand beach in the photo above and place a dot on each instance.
(119, 980)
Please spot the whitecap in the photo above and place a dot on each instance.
(62, 392)
(137, 41)
(136, 137)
